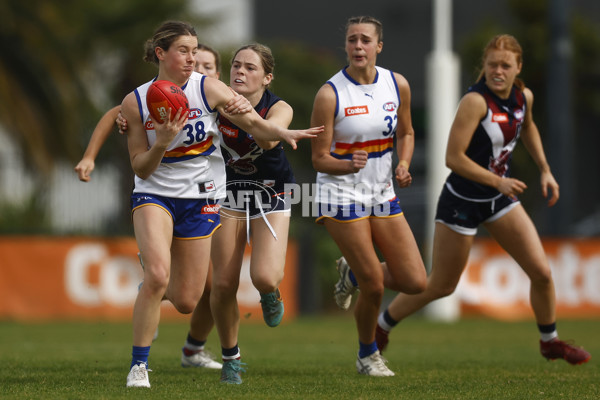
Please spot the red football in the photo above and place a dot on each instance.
(163, 95)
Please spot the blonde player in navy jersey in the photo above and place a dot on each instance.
(179, 177)
(262, 219)
(363, 107)
(262, 167)
(490, 118)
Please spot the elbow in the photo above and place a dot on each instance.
(451, 163)
(265, 144)
(141, 175)
(139, 168)
(316, 163)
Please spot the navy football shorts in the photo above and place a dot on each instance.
(255, 199)
(464, 216)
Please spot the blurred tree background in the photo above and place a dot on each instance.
(64, 63)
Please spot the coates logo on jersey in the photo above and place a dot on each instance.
(210, 209)
(356, 110)
(389, 106)
(500, 118)
(229, 131)
(149, 125)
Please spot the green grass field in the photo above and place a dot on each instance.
(310, 358)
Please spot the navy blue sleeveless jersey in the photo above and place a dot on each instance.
(245, 160)
(493, 142)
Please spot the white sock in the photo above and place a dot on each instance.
(237, 356)
(193, 347)
(546, 337)
(382, 324)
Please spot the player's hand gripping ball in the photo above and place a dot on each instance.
(163, 95)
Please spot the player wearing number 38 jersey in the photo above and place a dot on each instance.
(365, 119)
(192, 166)
(179, 173)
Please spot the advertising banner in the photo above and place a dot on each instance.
(98, 278)
(494, 285)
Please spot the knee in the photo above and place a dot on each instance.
(185, 302)
(183, 306)
(415, 281)
(437, 292)
(266, 283)
(542, 277)
(224, 288)
(372, 290)
(156, 280)
(415, 286)
(409, 282)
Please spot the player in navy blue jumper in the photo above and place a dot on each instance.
(490, 118)
(256, 209)
(179, 177)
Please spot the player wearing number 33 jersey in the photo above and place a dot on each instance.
(365, 119)
(192, 167)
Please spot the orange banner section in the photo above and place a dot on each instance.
(494, 285)
(98, 278)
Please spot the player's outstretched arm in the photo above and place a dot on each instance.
(218, 96)
(101, 132)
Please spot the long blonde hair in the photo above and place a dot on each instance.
(503, 42)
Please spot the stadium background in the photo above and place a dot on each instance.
(66, 247)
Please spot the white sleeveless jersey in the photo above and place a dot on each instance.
(365, 119)
(192, 166)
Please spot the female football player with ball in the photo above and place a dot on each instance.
(208, 62)
(261, 164)
(179, 178)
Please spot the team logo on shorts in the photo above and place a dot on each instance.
(210, 209)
